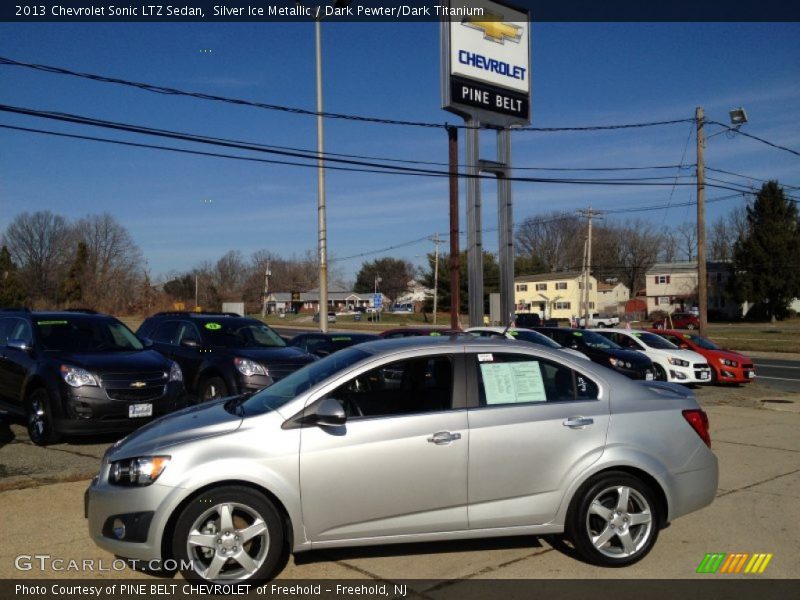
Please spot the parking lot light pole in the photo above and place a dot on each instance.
(702, 284)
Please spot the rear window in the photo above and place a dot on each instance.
(239, 333)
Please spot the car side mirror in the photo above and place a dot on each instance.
(190, 343)
(18, 344)
(146, 342)
(330, 413)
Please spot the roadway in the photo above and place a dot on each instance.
(779, 373)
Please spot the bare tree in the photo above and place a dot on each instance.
(639, 247)
(38, 244)
(115, 264)
(669, 246)
(556, 239)
(687, 234)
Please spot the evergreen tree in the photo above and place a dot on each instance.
(12, 292)
(766, 256)
(71, 289)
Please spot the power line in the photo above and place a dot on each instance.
(754, 137)
(148, 87)
(786, 185)
(677, 173)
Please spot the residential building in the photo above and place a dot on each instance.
(672, 287)
(338, 301)
(611, 297)
(553, 295)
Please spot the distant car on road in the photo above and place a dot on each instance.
(322, 344)
(683, 320)
(331, 317)
(222, 354)
(603, 351)
(726, 366)
(80, 372)
(595, 320)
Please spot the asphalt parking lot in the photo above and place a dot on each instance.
(757, 510)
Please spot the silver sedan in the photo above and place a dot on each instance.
(408, 440)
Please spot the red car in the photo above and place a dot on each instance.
(726, 366)
(682, 320)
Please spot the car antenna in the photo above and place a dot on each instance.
(510, 323)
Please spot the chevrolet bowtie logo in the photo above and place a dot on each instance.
(138, 384)
(494, 28)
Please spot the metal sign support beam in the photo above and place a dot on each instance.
(505, 221)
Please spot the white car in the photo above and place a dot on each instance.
(671, 363)
(525, 335)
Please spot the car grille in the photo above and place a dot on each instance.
(119, 386)
(278, 371)
(701, 365)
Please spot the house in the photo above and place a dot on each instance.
(611, 297)
(672, 287)
(553, 295)
(338, 301)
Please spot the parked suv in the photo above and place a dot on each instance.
(80, 373)
(222, 354)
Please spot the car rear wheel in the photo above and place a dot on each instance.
(39, 419)
(613, 520)
(231, 533)
(212, 388)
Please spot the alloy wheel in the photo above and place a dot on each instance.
(619, 521)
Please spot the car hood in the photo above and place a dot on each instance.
(729, 354)
(117, 362)
(632, 356)
(202, 421)
(274, 355)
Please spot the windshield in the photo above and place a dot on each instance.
(290, 387)
(702, 342)
(238, 333)
(596, 340)
(534, 337)
(82, 335)
(654, 341)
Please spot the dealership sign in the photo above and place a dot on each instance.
(486, 64)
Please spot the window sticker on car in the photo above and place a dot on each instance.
(485, 358)
(514, 333)
(582, 385)
(513, 383)
(341, 338)
(213, 326)
(577, 333)
(51, 322)
(434, 333)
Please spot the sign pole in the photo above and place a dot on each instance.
(505, 222)
(474, 233)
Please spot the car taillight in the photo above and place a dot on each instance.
(698, 419)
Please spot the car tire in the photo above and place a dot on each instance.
(714, 377)
(211, 389)
(690, 326)
(39, 418)
(245, 533)
(660, 373)
(607, 505)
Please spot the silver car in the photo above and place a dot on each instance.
(408, 440)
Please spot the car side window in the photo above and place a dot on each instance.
(6, 328)
(625, 341)
(673, 338)
(21, 331)
(506, 379)
(314, 344)
(167, 332)
(406, 387)
(188, 330)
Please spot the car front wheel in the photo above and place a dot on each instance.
(212, 388)
(229, 534)
(613, 520)
(39, 419)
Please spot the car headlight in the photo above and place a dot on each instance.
(77, 377)
(678, 362)
(175, 373)
(615, 362)
(142, 470)
(248, 367)
(728, 363)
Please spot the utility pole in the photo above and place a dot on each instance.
(321, 208)
(702, 284)
(196, 289)
(436, 242)
(589, 214)
(455, 267)
(267, 274)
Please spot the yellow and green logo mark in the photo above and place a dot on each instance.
(720, 562)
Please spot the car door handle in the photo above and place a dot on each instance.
(578, 422)
(443, 437)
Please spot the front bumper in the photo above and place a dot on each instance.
(676, 374)
(740, 374)
(89, 410)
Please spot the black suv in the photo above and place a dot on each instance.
(222, 354)
(602, 351)
(80, 372)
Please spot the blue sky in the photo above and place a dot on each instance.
(183, 209)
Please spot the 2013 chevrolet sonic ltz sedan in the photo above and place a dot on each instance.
(408, 440)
